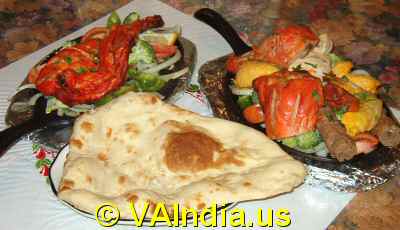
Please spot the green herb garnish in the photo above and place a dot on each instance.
(345, 78)
(363, 96)
(134, 16)
(316, 95)
(193, 88)
(340, 112)
(113, 19)
(297, 68)
(244, 102)
(82, 70)
(330, 117)
(311, 64)
(68, 59)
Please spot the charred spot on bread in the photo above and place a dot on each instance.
(89, 179)
(247, 184)
(132, 197)
(132, 128)
(201, 205)
(102, 156)
(76, 143)
(66, 185)
(131, 150)
(153, 99)
(122, 179)
(191, 150)
(87, 126)
(152, 205)
(109, 132)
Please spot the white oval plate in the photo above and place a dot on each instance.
(56, 172)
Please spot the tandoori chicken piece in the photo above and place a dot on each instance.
(290, 101)
(286, 45)
(87, 71)
(281, 48)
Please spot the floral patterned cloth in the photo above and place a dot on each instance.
(368, 32)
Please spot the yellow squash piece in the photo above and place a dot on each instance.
(365, 118)
(251, 70)
(342, 68)
(364, 81)
(347, 85)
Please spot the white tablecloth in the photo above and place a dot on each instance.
(26, 199)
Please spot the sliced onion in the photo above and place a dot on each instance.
(20, 106)
(325, 44)
(81, 108)
(60, 113)
(174, 75)
(71, 113)
(26, 86)
(34, 98)
(241, 91)
(317, 64)
(359, 72)
(174, 59)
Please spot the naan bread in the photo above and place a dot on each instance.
(139, 148)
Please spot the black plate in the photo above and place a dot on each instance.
(214, 81)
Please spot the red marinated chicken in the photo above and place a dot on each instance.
(291, 101)
(286, 45)
(281, 48)
(85, 72)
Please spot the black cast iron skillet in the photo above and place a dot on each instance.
(26, 122)
(381, 156)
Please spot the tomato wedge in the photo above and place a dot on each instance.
(366, 142)
(337, 97)
(163, 51)
(99, 32)
(254, 114)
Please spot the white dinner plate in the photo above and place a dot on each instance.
(56, 172)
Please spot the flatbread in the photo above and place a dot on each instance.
(141, 149)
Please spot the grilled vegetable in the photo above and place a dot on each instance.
(149, 82)
(342, 68)
(134, 16)
(346, 84)
(364, 81)
(365, 118)
(250, 70)
(304, 141)
(113, 19)
(244, 101)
